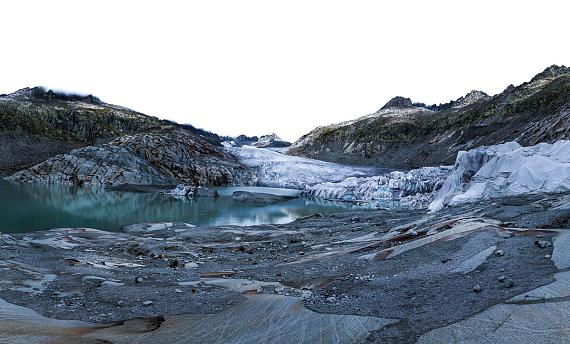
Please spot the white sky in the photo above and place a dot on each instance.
(257, 67)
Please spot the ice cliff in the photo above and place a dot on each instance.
(414, 188)
(506, 170)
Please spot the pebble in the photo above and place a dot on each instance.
(148, 303)
(190, 265)
(547, 256)
(477, 288)
(500, 253)
(543, 243)
(178, 291)
(502, 278)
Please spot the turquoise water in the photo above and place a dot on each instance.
(32, 207)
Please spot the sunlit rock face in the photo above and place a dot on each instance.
(413, 188)
(506, 170)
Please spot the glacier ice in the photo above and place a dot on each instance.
(412, 189)
(275, 169)
(506, 170)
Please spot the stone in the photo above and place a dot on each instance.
(477, 288)
(542, 243)
(500, 253)
(148, 303)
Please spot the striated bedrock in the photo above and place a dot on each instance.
(165, 156)
(506, 170)
(414, 188)
(187, 158)
(407, 135)
(104, 165)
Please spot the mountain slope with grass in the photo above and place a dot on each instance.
(403, 134)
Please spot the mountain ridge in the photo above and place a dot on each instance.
(400, 135)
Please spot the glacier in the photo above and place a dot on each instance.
(412, 189)
(275, 169)
(506, 170)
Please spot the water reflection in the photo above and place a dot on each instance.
(29, 207)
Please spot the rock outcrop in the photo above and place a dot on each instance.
(186, 158)
(408, 135)
(506, 170)
(259, 197)
(105, 165)
(165, 156)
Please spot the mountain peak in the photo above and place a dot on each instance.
(470, 98)
(398, 102)
(42, 93)
(552, 72)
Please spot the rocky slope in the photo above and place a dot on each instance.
(53, 137)
(69, 118)
(160, 156)
(37, 124)
(409, 135)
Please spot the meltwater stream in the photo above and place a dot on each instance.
(32, 207)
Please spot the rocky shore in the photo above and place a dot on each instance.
(496, 270)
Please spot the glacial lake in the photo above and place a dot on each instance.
(32, 207)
